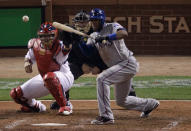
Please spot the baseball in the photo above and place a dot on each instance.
(25, 18)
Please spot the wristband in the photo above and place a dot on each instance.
(112, 36)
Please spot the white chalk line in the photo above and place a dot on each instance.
(170, 125)
(19, 122)
(49, 124)
(14, 124)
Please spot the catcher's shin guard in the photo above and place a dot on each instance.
(52, 83)
(17, 95)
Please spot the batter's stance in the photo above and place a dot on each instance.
(81, 59)
(55, 76)
(122, 67)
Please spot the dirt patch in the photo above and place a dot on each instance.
(170, 115)
(164, 66)
(12, 67)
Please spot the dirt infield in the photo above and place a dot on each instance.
(169, 116)
(12, 67)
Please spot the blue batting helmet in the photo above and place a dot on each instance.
(97, 14)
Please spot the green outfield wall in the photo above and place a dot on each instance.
(155, 27)
(15, 32)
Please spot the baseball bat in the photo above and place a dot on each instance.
(69, 29)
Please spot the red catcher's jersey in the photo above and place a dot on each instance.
(45, 58)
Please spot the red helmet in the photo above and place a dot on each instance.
(47, 34)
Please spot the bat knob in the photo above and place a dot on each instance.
(104, 41)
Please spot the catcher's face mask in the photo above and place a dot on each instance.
(47, 34)
(47, 40)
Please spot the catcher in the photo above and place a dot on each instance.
(54, 75)
(82, 60)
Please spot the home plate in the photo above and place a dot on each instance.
(49, 124)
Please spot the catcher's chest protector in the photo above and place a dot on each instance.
(45, 58)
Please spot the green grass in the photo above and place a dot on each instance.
(159, 87)
(171, 93)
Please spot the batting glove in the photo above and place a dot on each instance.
(103, 41)
(100, 39)
(109, 38)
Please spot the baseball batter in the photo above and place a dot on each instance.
(81, 59)
(122, 67)
(54, 76)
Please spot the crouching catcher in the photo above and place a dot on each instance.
(54, 76)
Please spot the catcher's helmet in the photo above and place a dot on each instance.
(47, 28)
(97, 14)
(47, 34)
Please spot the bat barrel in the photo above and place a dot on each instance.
(69, 29)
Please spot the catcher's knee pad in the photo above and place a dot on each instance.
(17, 95)
(52, 83)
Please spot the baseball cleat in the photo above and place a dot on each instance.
(100, 120)
(65, 110)
(69, 104)
(147, 112)
(39, 107)
(55, 106)
(42, 107)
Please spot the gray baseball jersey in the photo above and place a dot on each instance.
(122, 67)
(117, 51)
